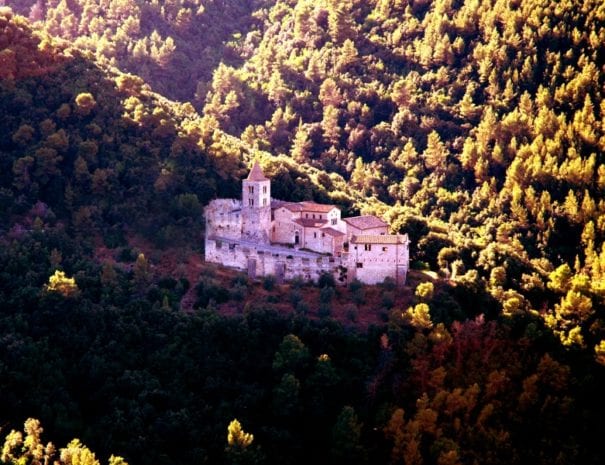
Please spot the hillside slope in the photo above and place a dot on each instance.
(174, 46)
(477, 127)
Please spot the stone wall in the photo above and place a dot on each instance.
(256, 224)
(317, 240)
(283, 230)
(223, 218)
(263, 261)
(373, 264)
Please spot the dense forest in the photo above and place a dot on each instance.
(476, 127)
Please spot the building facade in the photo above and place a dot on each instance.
(264, 236)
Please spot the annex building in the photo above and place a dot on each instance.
(265, 236)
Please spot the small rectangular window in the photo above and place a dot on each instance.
(315, 235)
(368, 247)
(251, 202)
(251, 189)
(359, 265)
(384, 249)
(264, 189)
(334, 221)
(264, 202)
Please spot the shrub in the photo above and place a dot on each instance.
(209, 290)
(269, 282)
(388, 299)
(355, 285)
(351, 312)
(302, 307)
(389, 284)
(326, 280)
(127, 255)
(297, 282)
(324, 310)
(238, 292)
(326, 294)
(295, 297)
(240, 278)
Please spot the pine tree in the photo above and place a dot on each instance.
(302, 145)
(346, 439)
(435, 153)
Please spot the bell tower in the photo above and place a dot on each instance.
(256, 206)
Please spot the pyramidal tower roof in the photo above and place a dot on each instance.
(256, 173)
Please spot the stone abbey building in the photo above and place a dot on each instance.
(265, 236)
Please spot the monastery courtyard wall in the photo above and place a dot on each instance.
(262, 260)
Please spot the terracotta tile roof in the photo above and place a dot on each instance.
(380, 239)
(311, 207)
(332, 232)
(256, 173)
(365, 222)
(310, 223)
(316, 207)
(293, 207)
(275, 203)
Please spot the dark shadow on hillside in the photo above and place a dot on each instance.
(101, 151)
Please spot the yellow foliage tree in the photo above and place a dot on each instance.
(425, 291)
(19, 450)
(600, 352)
(419, 316)
(237, 437)
(60, 283)
(77, 454)
(574, 310)
(85, 102)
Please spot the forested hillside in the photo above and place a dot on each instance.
(476, 127)
(482, 119)
(173, 45)
(102, 151)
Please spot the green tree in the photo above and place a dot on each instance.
(142, 271)
(291, 356)
(347, 445)
(286, 396)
